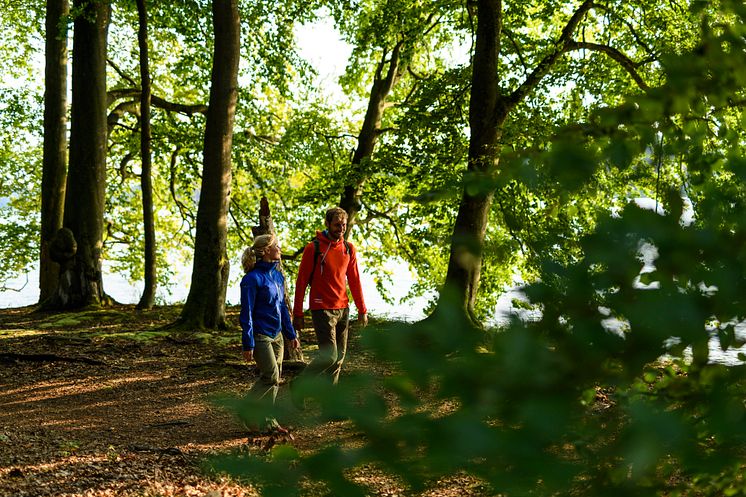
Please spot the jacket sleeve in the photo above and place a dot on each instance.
(287, 323)
(248, 297)
(353, 279)
(304, 274)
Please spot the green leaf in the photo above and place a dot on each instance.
(284, 452)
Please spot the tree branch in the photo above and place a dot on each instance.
(628, 64)
(518, 51)
(186, 216)
(131, 106)
(266, 139)
(374, 214)
(188, 109)
(546, 64)
(121, 73)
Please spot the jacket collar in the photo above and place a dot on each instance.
(323, 236)
(266, 266)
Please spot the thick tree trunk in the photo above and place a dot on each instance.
(205, 305)
(487, 113)
(86, 181)
(146, 183)
(265, 226)
(368, 136)
(54, 166)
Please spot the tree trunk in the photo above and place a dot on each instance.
(86, 181)
(488, 109)
(266, 225)
(54, 165)
(366, 141)
(205, 305)
(487, 113)
(146, 183)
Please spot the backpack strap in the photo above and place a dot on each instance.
(317, 251)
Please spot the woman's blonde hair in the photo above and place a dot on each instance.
(256, 251)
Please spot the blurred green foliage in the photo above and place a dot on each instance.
(612, 390)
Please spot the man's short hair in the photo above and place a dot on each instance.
(334, 213)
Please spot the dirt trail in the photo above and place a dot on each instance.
(102, 403)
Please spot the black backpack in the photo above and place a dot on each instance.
(317, 251)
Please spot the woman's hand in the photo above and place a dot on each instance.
(294, 344)
(248, 355)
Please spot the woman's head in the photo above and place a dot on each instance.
(262, 246)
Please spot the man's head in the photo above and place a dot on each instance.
(336, 223)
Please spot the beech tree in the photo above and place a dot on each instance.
(205, 305)
(78, 245)
(496, 92)
(146, 182)
(54, 164)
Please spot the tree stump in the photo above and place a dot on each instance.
(292, 358)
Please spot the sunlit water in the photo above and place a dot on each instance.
(26, 292)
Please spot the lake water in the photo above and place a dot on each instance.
(27, 293)
(24, 291)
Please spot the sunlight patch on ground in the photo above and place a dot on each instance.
(20, 332)
(57, 390)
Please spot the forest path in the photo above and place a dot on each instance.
(102, 403)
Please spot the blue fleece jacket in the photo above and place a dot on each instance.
(263, 307)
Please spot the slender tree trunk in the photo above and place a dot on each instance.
(146, 183)
(54, 168)
(368, 136)
(487, 113)
(266, 225)
(205, 305)
(488, 109)
(86, 181)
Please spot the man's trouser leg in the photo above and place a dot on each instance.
(331, 327)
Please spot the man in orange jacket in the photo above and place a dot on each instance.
(328, 265)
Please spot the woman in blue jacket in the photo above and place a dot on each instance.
(264, 317)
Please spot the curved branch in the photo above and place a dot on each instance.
(242, 233)
(188, 109)
(131, 106)
(186, 215)
(546, 64)
(629, 26)
(121, 73)
(517, 48)
(266, 139)
(628, 64)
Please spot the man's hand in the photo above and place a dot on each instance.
(298, 323)
(294, 344)
(248, 355)
(362, 320)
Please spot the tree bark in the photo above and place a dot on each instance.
(368, 136)
(487, 113)
(146, 182)
(54, 163)
(205, 305)
(86, 181)
(265, 226)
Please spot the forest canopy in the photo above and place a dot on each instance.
(593, 149)
(399, 148)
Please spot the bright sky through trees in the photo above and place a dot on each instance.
(322, 46)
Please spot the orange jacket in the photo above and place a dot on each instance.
(334, 270)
